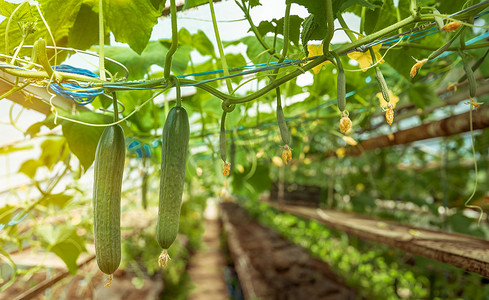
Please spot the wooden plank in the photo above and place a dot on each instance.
(462, 251)
(40, 100)
(445, 127)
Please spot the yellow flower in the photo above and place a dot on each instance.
(226, 168)
(345, 122)
(452, 26)
(340, 152)
(365, 59)
(393, 99)
(316, 51)
(417, 66)
(350, 141)
(277, 161)
(286, 154)
(389, 114)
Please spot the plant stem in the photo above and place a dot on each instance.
(374, 36)
(229, 100)
(428, 47)
(116, 107)
(174, 39)
(260, 39)
(178, 90)
(101, 35)
(330, 29)
(221, 50)
(14, 89)
(44, 75)
(344, 26)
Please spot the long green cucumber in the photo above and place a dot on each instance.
(175, 139)
(107, 184)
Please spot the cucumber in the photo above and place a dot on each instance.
(107, 184)
(175, 139)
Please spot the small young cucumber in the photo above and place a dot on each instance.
(282, 125)
(176, 133)
(107, 184)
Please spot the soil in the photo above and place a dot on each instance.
(278, 269)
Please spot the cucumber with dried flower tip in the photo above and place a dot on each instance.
(175, 139)
(108, 172)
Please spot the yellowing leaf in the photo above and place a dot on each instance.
(365, 59)
(316, 51)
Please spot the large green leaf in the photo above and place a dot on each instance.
(63, 241)
(255, 50)
(25, 15)
(131, 21)
(198, 41)
(83, 139)
(84, 32)
(60, 15)
(138, 65)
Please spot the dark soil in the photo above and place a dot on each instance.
(283, 270)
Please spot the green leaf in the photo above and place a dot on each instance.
(143, 118)
(63, 241)
(138, 65)
(131, 21)
(159, 5)
(252, 185)
(234, 60)
(53, 150)
(255, 50)
(57, 200)
(83, 139)
(7, 212)
(294, 31)
(181, 59)
(202, 44)
(423, 95)
(60, 15)
(23, 16)
(6, 8)
(193, 3)
(29, 167)
(349, 3)
(84, 32)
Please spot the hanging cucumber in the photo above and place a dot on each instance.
(175, 139)
(108, 171)
(222, 145)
